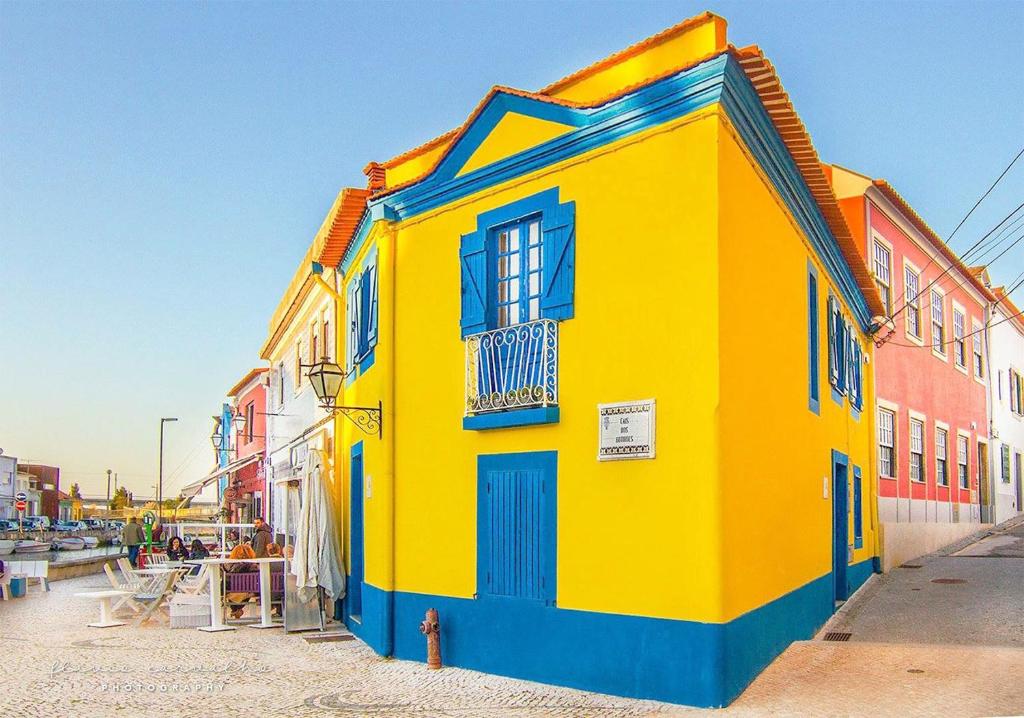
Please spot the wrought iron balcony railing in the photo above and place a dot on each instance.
(513, 367)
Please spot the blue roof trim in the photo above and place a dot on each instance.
(649, 106)
(717, 79)
(743, 105)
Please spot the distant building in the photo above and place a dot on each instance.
(8, 477)
(246, 491)
(931, 374)
(46, 480)
(1006, 345)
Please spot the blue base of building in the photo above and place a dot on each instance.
(688, 662)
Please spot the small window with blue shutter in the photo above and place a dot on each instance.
(519, 264)
(361, 300)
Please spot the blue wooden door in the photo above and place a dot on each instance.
(355, 579)
(840, 526)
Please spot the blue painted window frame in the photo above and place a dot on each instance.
(478, 260)
(545, 462)
(836, 349)
(813, 341)
(361, 316)
(858, 519)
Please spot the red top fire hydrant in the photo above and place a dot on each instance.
(431, 628)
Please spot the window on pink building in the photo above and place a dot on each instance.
(883, 275)
(913, 308)
(916, 450)
(961, 461)
(941, 458)
(959, 344)
(938, 323)
(886, 443)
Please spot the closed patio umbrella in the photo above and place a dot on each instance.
(317, 559)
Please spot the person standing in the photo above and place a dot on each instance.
(262, 537)
(133, 539)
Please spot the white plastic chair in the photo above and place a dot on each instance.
(118, 585)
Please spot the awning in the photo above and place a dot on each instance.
(196, 486)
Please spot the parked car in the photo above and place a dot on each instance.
(93, 524)
(32, 523)
(8, 524)
(68, 526)
(44, 521)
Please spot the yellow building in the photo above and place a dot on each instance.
(302, 332)
(620, 335)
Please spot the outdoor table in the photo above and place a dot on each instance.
(217, 606)
(104, 597)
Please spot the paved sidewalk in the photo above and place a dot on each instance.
(945, 649)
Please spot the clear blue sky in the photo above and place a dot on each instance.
(163, 167)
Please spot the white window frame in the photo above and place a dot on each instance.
(938, 345)
(915, 418)
(878, 242)
(978, 369)
(959, 311)
(892, 442)
(912, 305)
(965, 437)
(944, 428)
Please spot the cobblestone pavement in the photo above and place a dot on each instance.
(919, 661)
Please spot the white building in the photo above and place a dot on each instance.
(301, 332)
(1006, 362)
(8, 476)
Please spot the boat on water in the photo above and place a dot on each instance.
(69, 543)
(6, 547)
(91, 541)
(30, 546)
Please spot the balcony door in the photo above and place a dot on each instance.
(510, 362)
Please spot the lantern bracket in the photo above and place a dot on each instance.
(369, 419)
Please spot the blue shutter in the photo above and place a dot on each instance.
(364, 313)
(833, 354)
(813, 340)
(858, 519)
(371, 318)
(352, 317)
(559, 261)
(473, 260)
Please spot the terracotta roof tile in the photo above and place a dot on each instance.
(971, 274)
(250, 375)
(342, 225)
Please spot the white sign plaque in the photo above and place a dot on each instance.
(626, 430)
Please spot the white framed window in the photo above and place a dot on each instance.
(979, 354)
(938, 312)
(298, 364)
(314, 342)
(962, 450)
(912, 279)
(882, 266)
(959, 343)
(886, 443)
(916, 450)
(941, 457)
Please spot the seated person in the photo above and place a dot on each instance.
(199, 551)
(237, 599)
(176, 550)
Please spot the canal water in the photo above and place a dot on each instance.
(58, 557)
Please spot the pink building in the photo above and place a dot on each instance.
(246, 493)
(931, 372)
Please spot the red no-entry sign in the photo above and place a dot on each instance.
(20, 505)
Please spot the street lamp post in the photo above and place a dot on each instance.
(160, 485)
(109, 472)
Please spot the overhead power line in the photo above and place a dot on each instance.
(965, 259)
